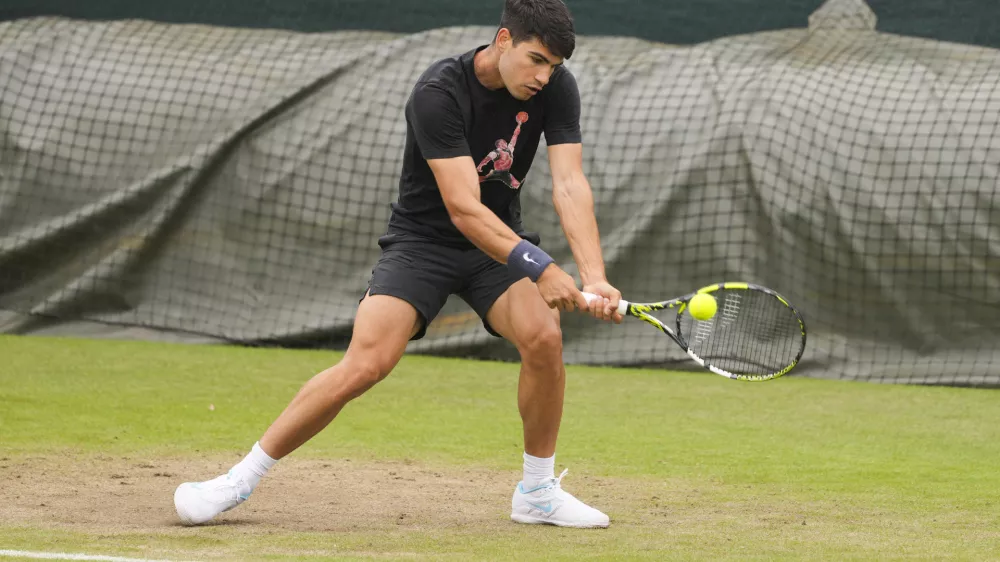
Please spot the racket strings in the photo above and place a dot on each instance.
(752, 333)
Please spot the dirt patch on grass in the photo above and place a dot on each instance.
(386, 508)
(118, 494)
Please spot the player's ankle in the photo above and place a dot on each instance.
(254, 466)
(537, 470)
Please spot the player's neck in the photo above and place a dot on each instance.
(487, 67)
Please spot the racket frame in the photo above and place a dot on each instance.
(642, 312)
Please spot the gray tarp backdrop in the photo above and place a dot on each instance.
(975, 22)
(229, 184)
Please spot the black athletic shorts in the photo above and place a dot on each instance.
(424, 274)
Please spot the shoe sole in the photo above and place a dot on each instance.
(532, 520)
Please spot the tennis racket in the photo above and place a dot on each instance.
(755, 334)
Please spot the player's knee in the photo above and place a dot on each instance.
(544, 345)
(373, 371)
(366, 371)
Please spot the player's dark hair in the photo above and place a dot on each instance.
(547, 20)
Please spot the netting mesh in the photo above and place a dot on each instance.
(232, 183)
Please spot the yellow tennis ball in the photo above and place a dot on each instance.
(702, 306)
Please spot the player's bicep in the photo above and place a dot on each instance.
(566, 165)
(458, 183)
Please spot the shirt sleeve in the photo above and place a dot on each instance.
(437, 123)
(562, 110)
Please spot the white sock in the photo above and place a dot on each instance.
(538, 470)
(254, 466)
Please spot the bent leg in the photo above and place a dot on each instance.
(521, 316)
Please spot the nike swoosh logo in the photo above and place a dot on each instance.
(546, 507)
(528, 258)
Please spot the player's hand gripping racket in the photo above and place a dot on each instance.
(754, 334)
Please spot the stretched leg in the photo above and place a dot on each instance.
(382, 327)
(522, 317)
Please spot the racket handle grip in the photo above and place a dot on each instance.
(622, 303)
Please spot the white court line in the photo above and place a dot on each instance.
(69, 556)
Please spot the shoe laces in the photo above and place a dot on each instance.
(552, 485)
(238, 484)
(556, 482)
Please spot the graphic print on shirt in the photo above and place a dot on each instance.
(503, 158)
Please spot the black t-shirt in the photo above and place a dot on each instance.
(449, 114)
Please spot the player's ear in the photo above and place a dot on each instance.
(503, 39)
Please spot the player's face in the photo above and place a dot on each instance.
(525, 67)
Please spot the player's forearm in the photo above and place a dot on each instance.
(575, 205)
(485, 230)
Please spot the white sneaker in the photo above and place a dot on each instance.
(549, 504)
(200, 502)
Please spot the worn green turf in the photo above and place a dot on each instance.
(786, 470)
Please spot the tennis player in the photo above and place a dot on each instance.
(473, 126)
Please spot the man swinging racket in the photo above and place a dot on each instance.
(456, 229)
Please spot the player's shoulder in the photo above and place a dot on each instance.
(562, 73)
(447, 73)
(561, 83)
